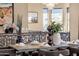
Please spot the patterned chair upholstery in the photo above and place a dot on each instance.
(65, 36)
(47, 52)
(25, 37)
(10, 39)
(7, 39)
(31, 36)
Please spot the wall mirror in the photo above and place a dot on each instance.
(32, 17)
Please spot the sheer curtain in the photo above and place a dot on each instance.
(45, 19)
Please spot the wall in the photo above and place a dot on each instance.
(74, 17)
(21, 9)
(36, 8)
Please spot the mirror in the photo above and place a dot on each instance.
(32, 17)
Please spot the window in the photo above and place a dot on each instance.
(57, 15)
(45, 19)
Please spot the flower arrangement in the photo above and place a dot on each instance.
(54, 27)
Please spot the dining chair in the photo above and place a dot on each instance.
(64, 52)
(6, 51)
(65, 36)
(35, 53)
(47, 52)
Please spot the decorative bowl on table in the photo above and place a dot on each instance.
(73, 43)
(76, 42)
(45, 45)
(35, 43)
(20, 44)
(63, 46)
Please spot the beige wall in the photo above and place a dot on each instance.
(21, 9)
(36, 8)
(74, 17)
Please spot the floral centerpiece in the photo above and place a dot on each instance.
(53, 32)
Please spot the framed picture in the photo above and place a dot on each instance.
(32, 17)
(6, 13)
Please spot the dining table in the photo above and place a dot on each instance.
(74, 49)
(32, 47)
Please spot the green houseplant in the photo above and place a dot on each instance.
(54, 29)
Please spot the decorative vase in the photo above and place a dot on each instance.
(56, 38)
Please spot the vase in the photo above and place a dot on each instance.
(56, 38)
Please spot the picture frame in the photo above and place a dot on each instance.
(32, 17)
(7, 11)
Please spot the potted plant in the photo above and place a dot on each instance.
(54, 29)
